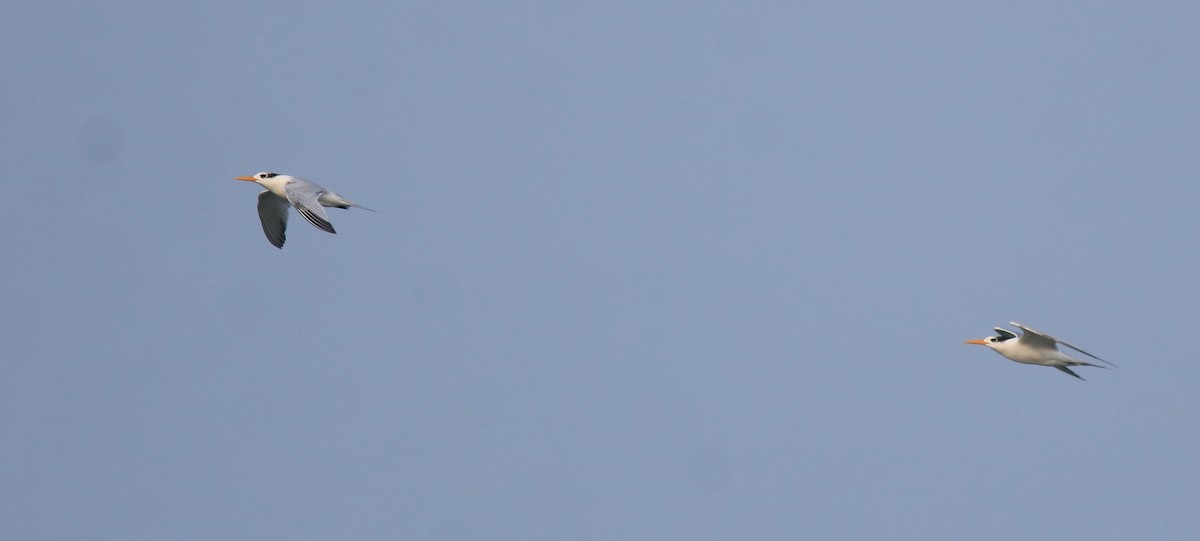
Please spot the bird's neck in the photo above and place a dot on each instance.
(275, 185)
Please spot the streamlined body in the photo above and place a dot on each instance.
(1034, 347)
(308, 198)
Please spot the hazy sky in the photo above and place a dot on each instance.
(639, 270)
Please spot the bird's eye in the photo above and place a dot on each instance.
(268, 175)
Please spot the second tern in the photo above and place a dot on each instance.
(1034, 347)
(309, 199)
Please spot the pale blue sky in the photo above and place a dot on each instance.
(679, 270)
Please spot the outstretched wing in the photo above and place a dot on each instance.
(273, 213)
(1040, 337)
(1035, 339)
(303, 195)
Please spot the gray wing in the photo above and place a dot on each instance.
(1035, 339)
(273, 213)
(1085, 353)
(304, 196)
(1042, 336)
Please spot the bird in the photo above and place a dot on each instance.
(307, 197)
(1035, 347)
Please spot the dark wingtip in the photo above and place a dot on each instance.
(1069, 371)
(1005, 334)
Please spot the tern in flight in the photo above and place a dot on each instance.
(309, 199)
(1034, 347)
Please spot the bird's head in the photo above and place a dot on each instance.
(995, 341)
(258, 177)
(990, 341)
